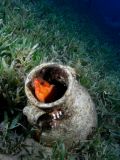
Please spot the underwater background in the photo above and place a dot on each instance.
(84, 34)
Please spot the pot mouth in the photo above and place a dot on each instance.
(56, 75)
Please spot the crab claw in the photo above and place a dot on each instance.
(56, 114)
(54, 124)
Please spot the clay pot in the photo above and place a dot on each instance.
(79, 114)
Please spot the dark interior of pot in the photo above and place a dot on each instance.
(54, 77)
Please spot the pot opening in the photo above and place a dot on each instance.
(50, 83)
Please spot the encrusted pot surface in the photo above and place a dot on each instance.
(79, 118)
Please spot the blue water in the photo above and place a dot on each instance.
(106, 13)
(105, 16)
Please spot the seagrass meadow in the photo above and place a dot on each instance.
(33, 32)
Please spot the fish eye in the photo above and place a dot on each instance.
(42, 83)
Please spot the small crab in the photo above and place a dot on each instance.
(51, 120)
(56, 115)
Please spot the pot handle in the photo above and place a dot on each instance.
(33, 113)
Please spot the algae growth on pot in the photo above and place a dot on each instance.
(78, 110)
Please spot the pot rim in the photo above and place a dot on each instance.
(58, 102)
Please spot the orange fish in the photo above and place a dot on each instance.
(43, 89)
